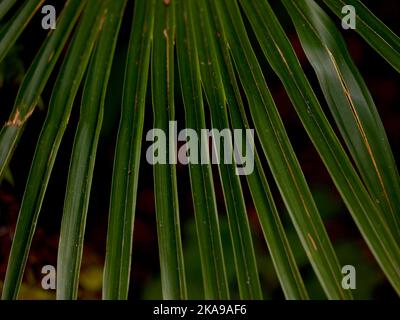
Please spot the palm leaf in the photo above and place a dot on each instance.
(36, 79)
(84, 154)
(127, 155)
(52, 132)
(280, 155)
(211, 252)
(373, 30)
(283, 59)
(377, 168)
(271, 224)
(13, 29)
(5, 6)
(215, 45)
(173, 276)
(354, 110)
(245, 260)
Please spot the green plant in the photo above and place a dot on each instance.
(216, 60)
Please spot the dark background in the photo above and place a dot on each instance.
(382, 80)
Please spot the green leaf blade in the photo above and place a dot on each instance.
(84, 154)
(173, 276)
(12, 30)
(309, 21)
(5, 6)
(36, 79)
(127, 155)
(48, 145)
(374, 31)
(244, 255)
(204, 202)
(280, 155)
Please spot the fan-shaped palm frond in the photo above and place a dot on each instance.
(205, 53)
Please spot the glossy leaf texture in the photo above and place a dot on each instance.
(373, 223)
(127, 155)
(10, 32)
(203, 192)
(371, 28)
(279, 153)
(207, 64)
(173, 277)
(245, 260)
(353, 108)
(84, 153)
(36, 79)
(69, 79)
(274, 233)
